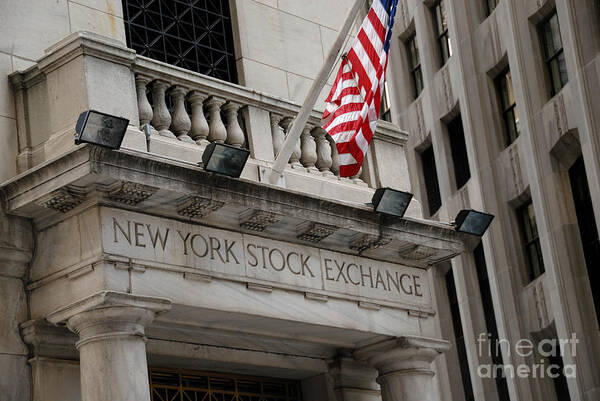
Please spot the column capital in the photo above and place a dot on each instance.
(351, 375)
(402, 353)
(109, 314)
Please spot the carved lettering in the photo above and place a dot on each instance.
(138, 234)
(252, 255)
(126, 235)
(184, 239)
(268, 258)
(158, 236)
(229, 251)
(328, 269)
(193, 244)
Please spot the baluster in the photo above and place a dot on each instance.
(217, 131)
(286, 123)
(144, 107)
(335, 158)
(200, 128)
(235, 135)
(309, 150)
(277, 133)
(324, 159)
(162, 118)
(357, 180)
(181, 123)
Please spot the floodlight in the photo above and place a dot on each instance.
(100, 129)
(391, 201)
(224, 159)
(473, 222)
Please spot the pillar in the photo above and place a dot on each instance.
(404, 366)
(16, 245)
(112, 344)
(353, 381)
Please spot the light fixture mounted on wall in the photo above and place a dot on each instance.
(100, 129)
(224, 159)
(391, 201)
(473, 222)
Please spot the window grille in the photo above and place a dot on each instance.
(440, 19)
(192, 34)
(554, 56)
(458, 147)
(490, 319)
(181, 385)
(414, 62)
(509, 107)
(533, 249)
(586, 221)
(461, 348)
(432, 186)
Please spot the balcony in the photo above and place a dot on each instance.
(186, 111)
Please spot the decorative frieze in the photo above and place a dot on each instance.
(540, 304)
(258, 220)
(63, 200)
(130, 193)
(314, 232)
(197, 207)
(515, 165)
(418, 252)
(560, 115)
(447, 84)
(364, 242)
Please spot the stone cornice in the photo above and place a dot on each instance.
(88, 170)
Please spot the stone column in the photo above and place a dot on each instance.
(112, 346)
(16, 247)
(404, 366)
(353, 381)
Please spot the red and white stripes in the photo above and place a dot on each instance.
(354, 102)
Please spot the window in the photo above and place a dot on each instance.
(508, 105)
(560, 381)
(432, 186)
(554, 55)
(490, 319)
(194, 35)
(169, 384)
(587, 227)
(458, 147)
(531, 239)
(385, 112)
(461, 349)
(490, 6)
(414, 62)
(440, 20)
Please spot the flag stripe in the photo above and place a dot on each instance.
(354, 102)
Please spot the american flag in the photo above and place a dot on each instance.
(353, 105)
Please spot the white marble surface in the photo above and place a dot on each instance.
(241, 256)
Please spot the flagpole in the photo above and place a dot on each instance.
(311, 98)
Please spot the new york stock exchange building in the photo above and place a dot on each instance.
(135, 274)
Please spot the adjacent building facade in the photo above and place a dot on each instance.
(501, 102)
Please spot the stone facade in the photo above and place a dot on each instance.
(555, 131)
(114, 263)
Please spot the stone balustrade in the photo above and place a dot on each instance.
(187, 111)
(198, 110)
